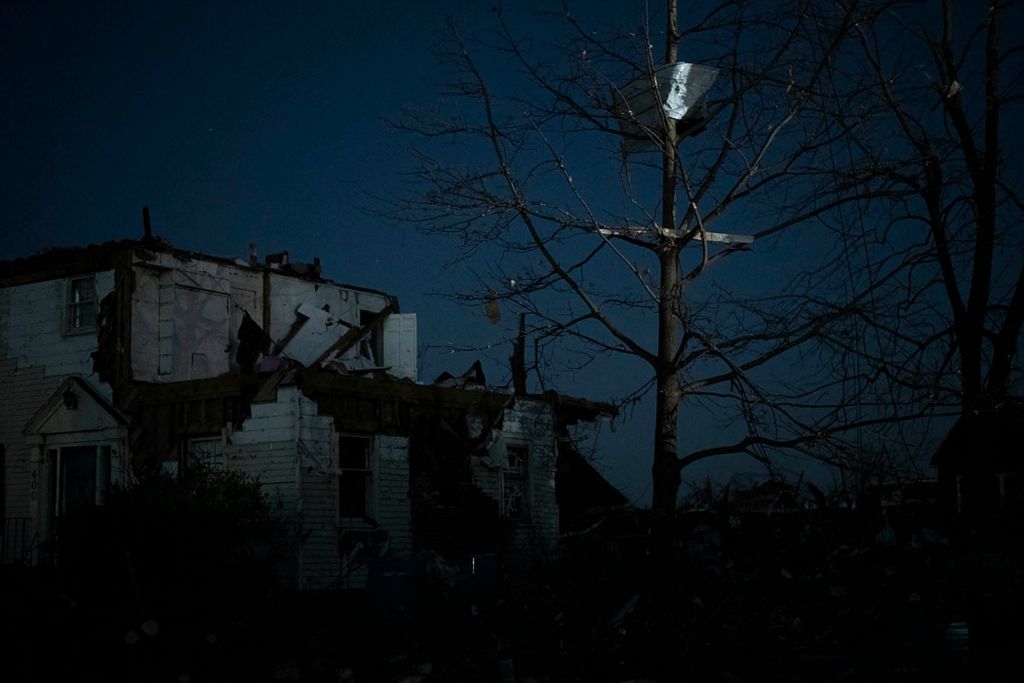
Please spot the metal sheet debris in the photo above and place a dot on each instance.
(682, 88)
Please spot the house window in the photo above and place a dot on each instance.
(208, 452)
(354, 461)
(515, 484)
(80, 311)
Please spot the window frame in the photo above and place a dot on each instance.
(366, 471)
(73, 308)
(516, 476)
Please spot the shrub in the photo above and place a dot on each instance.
(205, 541)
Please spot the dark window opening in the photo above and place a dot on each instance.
(78, 479)
(84, 478)
(355, 478)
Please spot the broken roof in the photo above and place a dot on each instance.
(570, 409)
(58, 262)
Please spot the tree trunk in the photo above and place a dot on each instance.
(665, 470)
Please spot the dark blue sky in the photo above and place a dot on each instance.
(246, 122)
(251, 123)
(257, 122)
(235, 123)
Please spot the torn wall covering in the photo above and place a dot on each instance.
(132, 357)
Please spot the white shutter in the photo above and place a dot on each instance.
(400, 344)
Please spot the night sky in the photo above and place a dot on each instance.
(263, 123)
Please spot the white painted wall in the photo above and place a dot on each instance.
(265, 447)
(36, 355)
(391, 490)
(317, 445)
(293, 452)
(25, 391)
(186, 314)
(32, 330)
(273, 426)
(529, 423)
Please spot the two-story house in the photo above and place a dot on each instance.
(127, 357)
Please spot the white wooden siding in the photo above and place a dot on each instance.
(32, 328)
(318, 452)
(25, 391)
(35, 357)
(528, 423)
(391, 489)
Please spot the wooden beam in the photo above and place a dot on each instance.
(297, 324)
(352, 337)
(724, 237)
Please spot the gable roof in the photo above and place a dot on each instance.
(79, 388)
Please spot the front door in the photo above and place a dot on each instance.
(78, 480)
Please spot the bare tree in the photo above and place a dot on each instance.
(931, 94)
(597, 219)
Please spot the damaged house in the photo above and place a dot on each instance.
(132, 357)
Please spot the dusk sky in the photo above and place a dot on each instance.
(262, 123)
(843, 204)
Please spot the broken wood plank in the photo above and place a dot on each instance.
(352, 337)
(724, 237)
